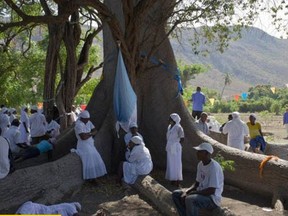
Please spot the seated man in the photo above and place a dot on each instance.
(138, 161)
(257, 141)
(206, 193)
(35, 150)
(13, 135)
(64, 209)
(53, 129)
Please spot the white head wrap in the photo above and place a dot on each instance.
(137, 140)
(235, 115)
(175, 117)
(133, 124)
(84, 114)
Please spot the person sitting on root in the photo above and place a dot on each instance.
(53, 129)
(13, 135)
(35, 150)
(257, 141)
(138, 161)
(206, 192)
(133, 127)
(63, 209)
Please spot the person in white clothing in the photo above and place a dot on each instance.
(4, 157)
(13, 135)
(24, 126)
(236, 130)
(93, 165)
(175, 139)
(53, 129)
(37, 126)
(133, 127)
(4, 120)
(63, 209)
(206, 192)
(138, 161)
(12, 114)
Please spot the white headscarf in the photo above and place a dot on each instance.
(137, 140)
(236, 115)
(84, 114)
(175, 117)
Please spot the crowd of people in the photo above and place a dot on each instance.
(36, 134)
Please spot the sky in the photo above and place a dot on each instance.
(264, 21)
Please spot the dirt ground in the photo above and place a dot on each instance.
(240, 203)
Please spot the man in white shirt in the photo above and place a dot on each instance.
(37, 126)
(53, 129)
(206, 192)
(13, 135)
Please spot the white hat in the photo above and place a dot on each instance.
(175, 117)
(136, 140)
(205, 146)
(235, 115)
(84, 114)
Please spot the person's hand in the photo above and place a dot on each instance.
(183, 197)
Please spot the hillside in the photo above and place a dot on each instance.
(256, 58)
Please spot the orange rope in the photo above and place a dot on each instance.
(264, 161)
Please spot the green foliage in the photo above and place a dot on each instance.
(276, 107)
(86, 91)
(227, 165)
(189, 72)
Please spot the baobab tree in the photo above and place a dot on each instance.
(143, 27)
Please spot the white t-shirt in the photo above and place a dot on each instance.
(211, 175)
(13, 135)
(37, 124)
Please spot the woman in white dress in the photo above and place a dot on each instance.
(24, 126)
(175, 138)
(138, 162)
(93, 165)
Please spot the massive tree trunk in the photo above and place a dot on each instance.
(158, 97)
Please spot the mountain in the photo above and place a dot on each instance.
(256, 58)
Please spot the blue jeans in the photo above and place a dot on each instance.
(192, 204)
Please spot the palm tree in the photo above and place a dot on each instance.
(227, 81)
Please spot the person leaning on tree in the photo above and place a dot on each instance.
(206, 192)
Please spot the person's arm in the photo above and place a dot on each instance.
(85, 136)
(192, 188)
(260, 131)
